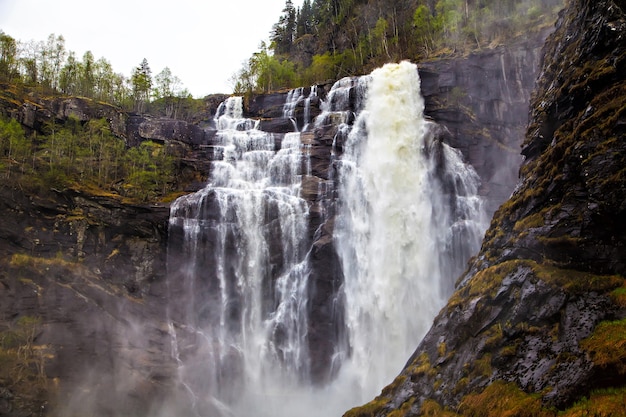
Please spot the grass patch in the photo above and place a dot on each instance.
(606, 402)
(576, 282)
(501, 399)
(607, 345)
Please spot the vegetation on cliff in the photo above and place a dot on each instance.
(49, 68)
(86, 156)
(330, 39)
(23, 381)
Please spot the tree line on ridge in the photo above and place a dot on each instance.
(329, 39)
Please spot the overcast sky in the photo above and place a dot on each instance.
(203, 42)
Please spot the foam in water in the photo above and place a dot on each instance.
(408, 219)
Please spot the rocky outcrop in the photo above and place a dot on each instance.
(84, 270)
(538, 319)
(34, 112)
(482, 100)
(140, 128)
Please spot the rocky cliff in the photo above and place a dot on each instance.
(536, 324)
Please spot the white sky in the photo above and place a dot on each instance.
(203, 42)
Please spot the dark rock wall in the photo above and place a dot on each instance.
(541, 304)
(483, 101)
(88, 269)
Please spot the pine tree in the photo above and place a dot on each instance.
(141, 81)
(284, 31)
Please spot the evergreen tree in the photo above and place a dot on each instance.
(141, 81)
(86, 75)
(284, 31)
(305, 23)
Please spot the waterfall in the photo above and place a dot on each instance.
(299, 97)
(408, 217)
(237, 267)
(405, 200)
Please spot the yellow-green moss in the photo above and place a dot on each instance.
(404, 409)
(481, 367)
(400, 379)
(606, 403)
(421, 366)
(531, 222)
(485, 282)
(437, 384)
(368, 410)
(501, 399)
(22, 260)
(607, 345)
(461, 384)
(526, 328)
(619, 296)
(441, 349)
(564, 242)
(494, 335)
(509, 350)
(431, 408)
(576, 282)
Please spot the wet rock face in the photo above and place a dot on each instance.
(525, 311)
(140, 128)
(486, 123)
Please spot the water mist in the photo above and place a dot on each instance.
(408, 218)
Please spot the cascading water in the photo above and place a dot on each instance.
(244, 276)
(408, 218)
